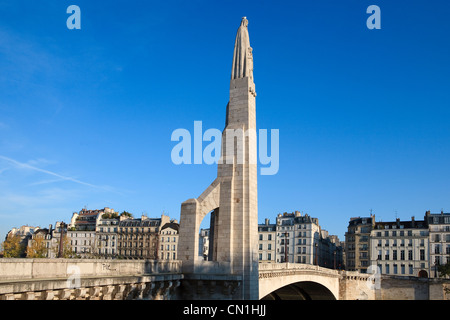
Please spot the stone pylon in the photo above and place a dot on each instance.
(232, 198)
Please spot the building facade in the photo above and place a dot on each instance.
(93, 233)
(43, 235)
(24, 234)
(203, 243)
(439, 228)
(106, 236)
(357, 244)
(169, 241)
(267, 234)
(83, 243)
(331, 251)
(104, 233)
(400, 248)
(139, 238)
(298, 238)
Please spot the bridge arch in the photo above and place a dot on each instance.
(297, 281)
(303, 290)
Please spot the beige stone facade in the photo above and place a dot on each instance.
(139, 238)
(439, 227)
(400, 248)
(169, 241)
(267, 243)
(357, 245)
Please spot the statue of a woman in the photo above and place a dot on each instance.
(242, 57)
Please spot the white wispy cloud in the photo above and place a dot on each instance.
(48, 181)
(3, 170)
(21, 165)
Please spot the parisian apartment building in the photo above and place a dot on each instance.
(169, 240)
(24, 234)
(104, 233)
(298, 238)
(399, 248)
(203, 243)
(357, 246)
(294, 238)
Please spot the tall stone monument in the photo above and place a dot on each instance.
(232, 267)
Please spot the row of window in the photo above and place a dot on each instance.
(439, 249)
(82, 250)
(167, 239)
(120, 244)
(408, 233)
(435, 220)
(143, 253)
(438, 260)
(410, 256)
(167, 256)
(261, 236)
(299, 234)
(140, 253)
(133, 237)
(281, 234)
(363, 238)
(299, 242)
(387, 269)
(135, 244)
(268, 257)
(108, 229)
(301, 250)
(401, 243)
(80, 242)
(137, 230)
(138, 245)
(78, 235)
(299, 226)
(174, 247)
(439, 238)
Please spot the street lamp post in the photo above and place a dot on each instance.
(61, 240)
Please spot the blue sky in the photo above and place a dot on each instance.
(86, 115)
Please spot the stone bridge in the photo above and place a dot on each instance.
(287, 281)
(90, 279)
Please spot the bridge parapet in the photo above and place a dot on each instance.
(13, 269)
(267, 270)
(88, 279)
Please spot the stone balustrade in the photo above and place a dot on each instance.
(282, 269)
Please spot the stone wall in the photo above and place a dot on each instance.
(84, 279)
(14, 269)
(413, 288)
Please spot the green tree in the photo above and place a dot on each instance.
(126, 214)
(444, 269)
(113, 215)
